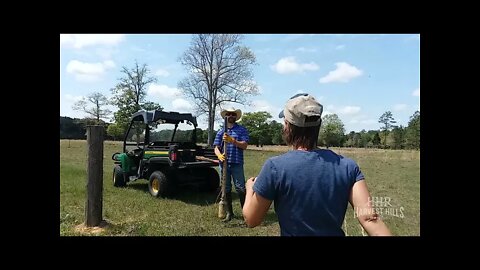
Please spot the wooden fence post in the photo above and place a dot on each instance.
(94, 203)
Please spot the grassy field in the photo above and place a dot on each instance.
(132, 211)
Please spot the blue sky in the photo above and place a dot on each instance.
(357, 76)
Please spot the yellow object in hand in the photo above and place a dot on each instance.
(228, 138)
(221, 157)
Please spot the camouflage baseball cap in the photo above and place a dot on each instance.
(301, 106)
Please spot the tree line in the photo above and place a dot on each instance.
(264, 131)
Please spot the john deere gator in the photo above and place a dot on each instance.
(162, 147)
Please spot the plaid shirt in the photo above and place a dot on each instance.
(234, 154)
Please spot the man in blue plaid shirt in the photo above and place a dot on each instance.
(237, 140)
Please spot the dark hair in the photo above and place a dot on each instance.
(301, 136)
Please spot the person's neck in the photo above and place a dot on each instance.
(301, 148)
(230, 125)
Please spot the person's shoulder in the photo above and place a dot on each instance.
(330, 154)
(281, 158)
(241, 127)
(342, 158)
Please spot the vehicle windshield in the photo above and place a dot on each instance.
(162, 132)
(135, 136)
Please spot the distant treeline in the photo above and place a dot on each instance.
(264, 131)
(75, 129)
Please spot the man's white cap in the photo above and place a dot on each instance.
(301, 106)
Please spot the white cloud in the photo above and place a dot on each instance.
(162, 73)
(349, 110)
(416, 92)
(263, 105)
(109, 64)
(88, 72)
(344, 73)
(399, 107)
(181, 104)
(369, 121)
(340, 47)
(326, 113)
(79, 41)
(163, 91)
(308, 50)
(290, 65)
(257, 106)
(364, 122)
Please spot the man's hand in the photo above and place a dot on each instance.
(221, 157)
(228, 138)
(250, 182)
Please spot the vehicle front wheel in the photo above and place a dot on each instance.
(118, 180)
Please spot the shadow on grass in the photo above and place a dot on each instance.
(193, 195)
(188, 194)
(139, 185)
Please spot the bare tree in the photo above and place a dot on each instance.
(219, 72)
(96, 111)
(129, 93)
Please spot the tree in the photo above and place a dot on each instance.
(388, 121)
(331, 131)
(398, 137)
(376, 140)
(71, 128)
(276, 131)
(96, 111)
(412, 136)
(201, 138)
(115, 131)
(357, 140)
(349, 142)
(151, 106)
(257, 126)
(366, 137)
(129, 94)
(219, 72)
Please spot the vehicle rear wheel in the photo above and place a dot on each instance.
(158, 184)
(212, 180)
(118, 180)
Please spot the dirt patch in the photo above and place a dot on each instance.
(83, 229)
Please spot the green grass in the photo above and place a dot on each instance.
(132, 211)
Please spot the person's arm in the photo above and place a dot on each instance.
(219, 154)
(255, 207)
(240, 144)
(370, 221)
(216, 143)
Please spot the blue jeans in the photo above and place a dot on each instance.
(234, 171)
